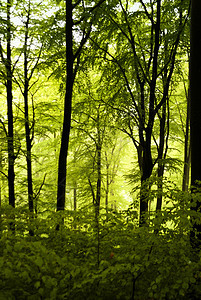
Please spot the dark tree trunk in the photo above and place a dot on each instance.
(98, 185)
(11, 155)
(187, 150)
(195, 110)
(147, 163)
(71, 70)
(147, 166)
(0, 177)
(27, 125)
(107, 188)
(67, 109)
(161, 156)
(75, 198)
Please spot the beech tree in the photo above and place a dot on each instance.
(31, 51)
(195, 111)
(92, 120)
(73, 59)
(8, 81)
(140, 49)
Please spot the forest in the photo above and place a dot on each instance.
(100, 165)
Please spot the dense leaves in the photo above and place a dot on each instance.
(101, 87)
(126, 262)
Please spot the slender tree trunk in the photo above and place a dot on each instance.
(147, 166)
(160, 187)
(160, 157)
(147, 163)
(61, 189)
(107, 192)
(1, 167)
(0, 190)
(98, 188)
(27, 125)
(107, 183)
(195, 111)
(187, 150)
(97, 203)
(75, 198)
(11, 155)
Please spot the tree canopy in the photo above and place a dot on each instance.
(100, 153)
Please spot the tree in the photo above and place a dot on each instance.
(195, 110)
(31, 58)
(8, 76)
(73, 57)
(92, 121)
(140, 49)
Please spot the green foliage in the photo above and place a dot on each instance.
(116, 260)
(110, 257)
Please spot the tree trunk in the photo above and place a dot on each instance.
(107, 183)
(160, 157)
(98, 187)
(147, 166)
(75, 198)
(61, 189)
(187, 150)
(195, 111)
(27, 125)
(11, 155)
(107, 192)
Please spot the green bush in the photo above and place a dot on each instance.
(114, 260)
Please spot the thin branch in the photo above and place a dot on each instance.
(92, 191)
(30, 87)
(16, 81)
(131, 40)
(147, 13)
(76, 4)
(38, 193)
(14, 65)
(172, 59)
(1, 54)
(36, 64)
(18, 107)
(4, 127)
(4, 174)
(83, 41)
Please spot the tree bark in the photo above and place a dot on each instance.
(107, 184)
(147, 162)
(75, 197)
(161, 155)
(61, 189)
(11, 155)
(27, 125)
(195, 111)
(98, 184)
(147, 167)
(71, 70)
(187, 150)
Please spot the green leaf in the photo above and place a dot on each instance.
(185, 285)
(39, 261)
(41, 291)
(37, 284)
